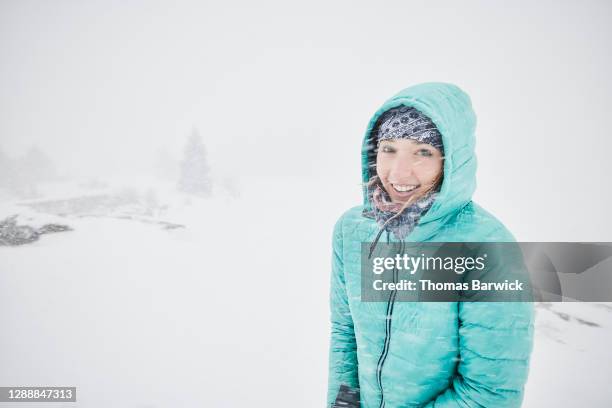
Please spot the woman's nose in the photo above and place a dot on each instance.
(402, 168)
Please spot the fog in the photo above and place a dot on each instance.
(285, 90)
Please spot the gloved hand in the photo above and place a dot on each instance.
(347, 397)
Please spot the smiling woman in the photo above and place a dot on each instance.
(419, 174)
(409, 168)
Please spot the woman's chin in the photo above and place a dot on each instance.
(404, 198)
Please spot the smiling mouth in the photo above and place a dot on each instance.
(404, 190)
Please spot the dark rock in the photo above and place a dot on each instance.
(13, 234)
(45, 229)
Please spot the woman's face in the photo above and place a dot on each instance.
(407, 168)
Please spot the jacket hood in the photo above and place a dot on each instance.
(451, 111)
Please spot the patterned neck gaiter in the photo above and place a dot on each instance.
(384, 209)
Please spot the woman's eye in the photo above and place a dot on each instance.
(387, 149)
(425, 152)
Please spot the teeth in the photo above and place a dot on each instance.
(403, 188)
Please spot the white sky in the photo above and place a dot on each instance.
(287, 88)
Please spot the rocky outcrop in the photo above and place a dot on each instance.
(13, 234)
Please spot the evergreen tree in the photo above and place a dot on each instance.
(36, 167)
(194, 170)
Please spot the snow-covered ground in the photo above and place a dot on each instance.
(157, 299)
(572, 360)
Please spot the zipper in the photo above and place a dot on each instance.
(385, 351)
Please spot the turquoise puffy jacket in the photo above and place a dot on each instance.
(427, 354)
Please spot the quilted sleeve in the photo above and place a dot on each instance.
(343, 348)
(495, 343)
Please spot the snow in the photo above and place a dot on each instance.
(229, 310)
(135, 315)
(572, 361)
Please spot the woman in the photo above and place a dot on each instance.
(419, 174)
